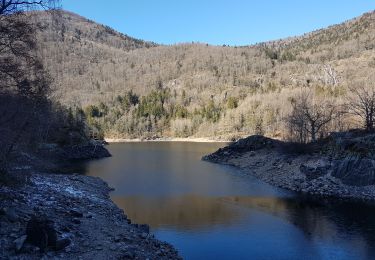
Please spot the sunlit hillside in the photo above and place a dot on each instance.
(132, 88)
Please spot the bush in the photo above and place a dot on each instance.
(232, 103)
(211, 112)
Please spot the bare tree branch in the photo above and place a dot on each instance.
(362, 104)
(309, 117)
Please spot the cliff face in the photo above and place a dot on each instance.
(343, 165)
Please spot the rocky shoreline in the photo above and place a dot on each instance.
(342, 166)
(167, 139)
(67, 216)
(74, 218)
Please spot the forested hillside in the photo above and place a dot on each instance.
(130, 88)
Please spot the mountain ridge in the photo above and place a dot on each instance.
(94, 65)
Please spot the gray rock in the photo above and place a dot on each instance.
(11, 215)
(18, 243)
(83, 152)
(76, 221)
(41, 232)
(117, 238)
(62, 243)
(313, 173)
(144, 227)
(129, 254)
(76, 213)
(355, 171)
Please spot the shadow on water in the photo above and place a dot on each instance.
(324, 219)
(209, 211)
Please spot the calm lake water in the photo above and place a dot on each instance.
(210, 211)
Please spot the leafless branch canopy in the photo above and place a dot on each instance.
(362, 104)
(23, 80)
(309, 117)
(14, 6)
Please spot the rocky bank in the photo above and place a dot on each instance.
(67, 216)
(70, 217)
(341, 166)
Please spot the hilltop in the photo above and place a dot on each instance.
(131, 88)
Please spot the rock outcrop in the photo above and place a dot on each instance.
(342, 165)
(84, 152)
(355, 171)
(248, 144)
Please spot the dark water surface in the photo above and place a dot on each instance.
(209, 211)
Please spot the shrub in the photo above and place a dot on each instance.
(232, 103)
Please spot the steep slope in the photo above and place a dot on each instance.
(75, 51)
(198, 89)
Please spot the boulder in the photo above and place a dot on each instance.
(355, 171)
(11, 215)
(40, 232)
(18, 243)
(312, 173)
(76, 213)
(144, 227)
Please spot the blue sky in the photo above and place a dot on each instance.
(233, 22)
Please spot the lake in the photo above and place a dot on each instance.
(210, 211)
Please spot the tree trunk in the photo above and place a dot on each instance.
(313, 132)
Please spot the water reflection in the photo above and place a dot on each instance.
(183, 213)
(210, 211)
(325, 220)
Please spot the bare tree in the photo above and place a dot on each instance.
(330, 76)
(362, 104)
(296, 124)
(23, 80)
(16, 6)
(20, 69)
(309, 117)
